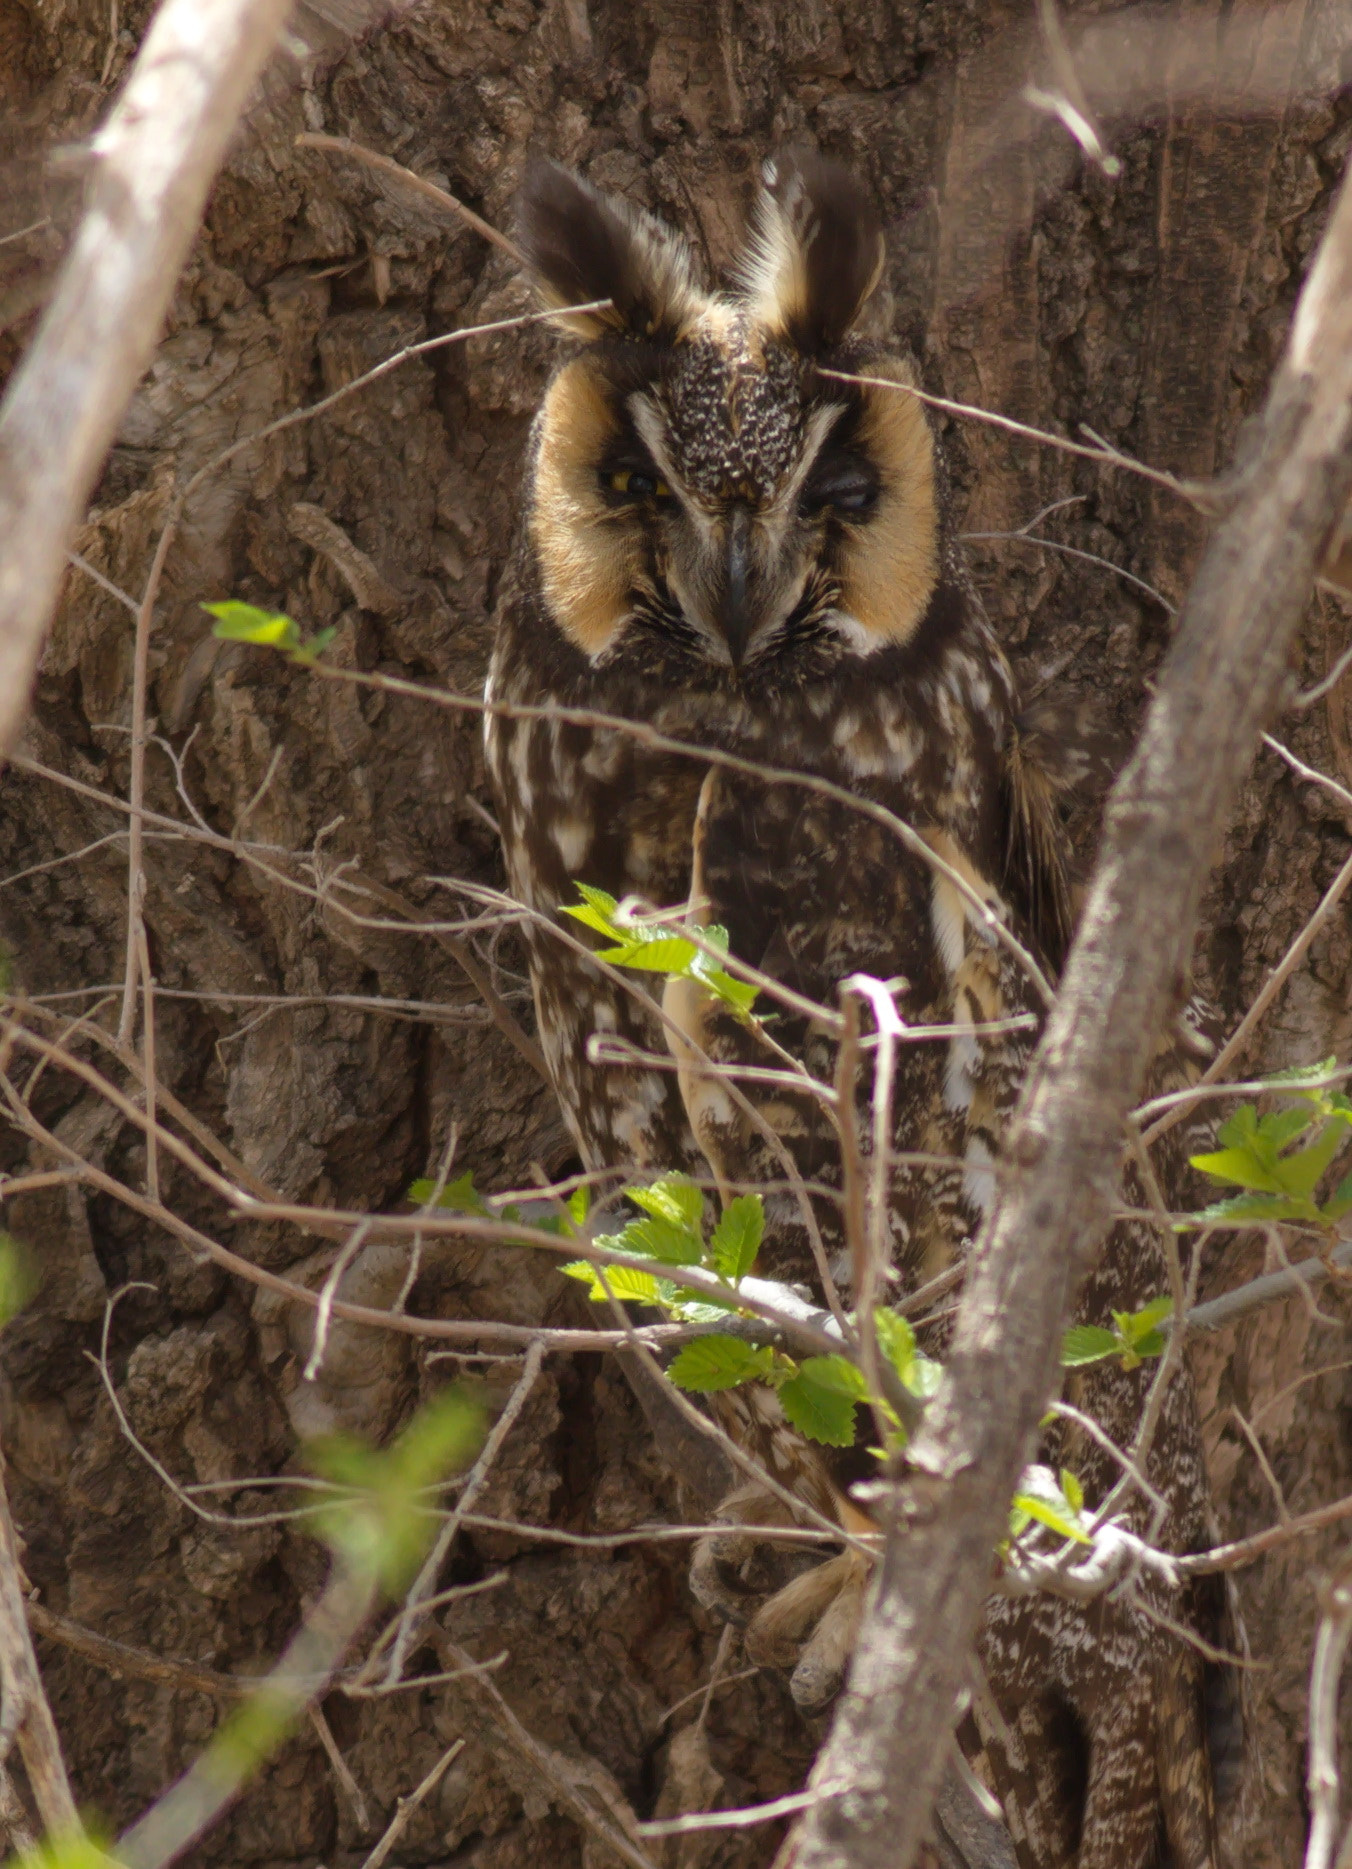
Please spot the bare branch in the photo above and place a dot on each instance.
(23, 1704)
(1321, 1775)
(154, 160)
(446, 202)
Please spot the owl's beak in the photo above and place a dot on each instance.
(735, 618)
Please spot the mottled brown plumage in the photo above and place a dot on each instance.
(743, 553)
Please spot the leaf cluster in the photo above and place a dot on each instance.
(660, 947)
(1279, 1159)
(1134, 1336)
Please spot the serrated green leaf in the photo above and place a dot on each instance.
(626, 1284)
(1042, 1497)
(1283, 1126)
(1135, 1326)
(579, 1205)
(739, 994)
(737, 1238)
(1074, 1492)
(836, 1373)
(718, 1362)
(822, 1413)
(1055, 1518)
(663, 953)
(1087, 1343)
(693, 1309)
(240, 622)
(672, 1197)
(460, 1195)
(590, 918)
(1240, 1166)
(1239, 1128)
(652, 1238)
(1301, 1173)
(1152, 1344)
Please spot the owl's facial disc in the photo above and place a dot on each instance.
(695, 476)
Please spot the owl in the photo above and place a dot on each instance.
(732, 547)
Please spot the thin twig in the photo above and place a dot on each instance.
(1321, 1773)
(1196, 493)
(342, 1771)
(24, 1711)
(405, 1808)
(342, 146)
(412, 1615)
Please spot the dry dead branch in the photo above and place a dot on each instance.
(153, 162)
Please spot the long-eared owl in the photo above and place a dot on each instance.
(725, 542)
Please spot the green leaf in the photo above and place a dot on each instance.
(1043, 1497)
(674, 1198)
(239, 622)
(626, 1284)
(1055, 1518)
(1240, 1166)
(737, 1237)
(1283, 1126)
(1301, 1173)
(18, 1277)
(1136, 1326)
(579, 1205)
(918, 1372)
(661, 954)
(651, 1238)
(273, 629)
(1074, 1492)
(382, 1526)
(1087, 1343)
(836, 1373)
(820, 1411)
(719, 1362)
(739, 994)
(460, 1195)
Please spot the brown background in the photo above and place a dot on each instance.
(1150, 306)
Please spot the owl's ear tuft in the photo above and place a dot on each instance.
(581, 245)
(816, 252)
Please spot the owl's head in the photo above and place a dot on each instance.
(695, 472)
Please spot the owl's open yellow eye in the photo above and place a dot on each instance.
(635, 485)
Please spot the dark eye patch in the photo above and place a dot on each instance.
(842, 483)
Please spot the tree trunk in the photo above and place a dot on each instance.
(1148, 304)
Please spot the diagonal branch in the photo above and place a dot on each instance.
(154, 160)
(1054, 1196)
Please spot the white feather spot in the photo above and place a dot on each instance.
(572, 840)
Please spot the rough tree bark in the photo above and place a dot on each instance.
(1150, 305)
